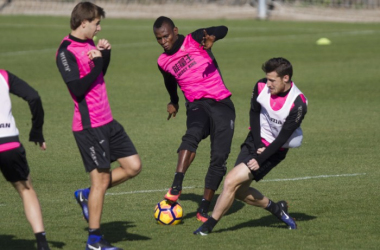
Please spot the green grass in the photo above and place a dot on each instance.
(335, 210)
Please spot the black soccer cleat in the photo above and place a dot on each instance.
(43, 247)
(202, 230)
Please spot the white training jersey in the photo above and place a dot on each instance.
(271, 121)
(7, 122)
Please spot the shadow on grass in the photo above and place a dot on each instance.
(116, 231)
(197, 198)
(10, 242)
(268, 221)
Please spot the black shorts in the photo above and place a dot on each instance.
(13, 164)
(248, 152)
(102, 145)
(207, 117)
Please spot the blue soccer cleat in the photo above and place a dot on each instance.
(289, 221)
(81, 195)
(101, 245)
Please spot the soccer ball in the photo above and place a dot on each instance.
(168, 213)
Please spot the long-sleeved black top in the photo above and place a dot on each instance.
(21, 89)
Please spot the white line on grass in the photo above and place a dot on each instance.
(291, 179)
(145, 191)
(314, 177)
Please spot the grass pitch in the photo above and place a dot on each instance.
(331, 182)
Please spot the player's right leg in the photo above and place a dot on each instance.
(197, 124)
(185, 158)
(94, 147)
(100, 179)
(32, 207)
(32, 211)
(235, 179)
(221, 133)
(94, 155)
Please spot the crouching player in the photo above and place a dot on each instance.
(277, 110)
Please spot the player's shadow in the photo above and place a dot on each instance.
(268, 221)
(116, 231)
(11, 242)
(236, 206)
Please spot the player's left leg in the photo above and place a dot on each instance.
(221, 132)
(129, 167)
(278, 209)
(123, 150)
(32, 211)
(253, 197)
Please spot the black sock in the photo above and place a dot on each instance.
(203, 208)
(274, 208)
(41, 238)
(177, 183)
(94, 231)
(210, 224)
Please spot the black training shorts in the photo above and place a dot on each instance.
(13, 164)
(102, 145)
(248, 152)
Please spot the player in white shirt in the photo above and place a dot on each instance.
(13, 163)
(277, 110)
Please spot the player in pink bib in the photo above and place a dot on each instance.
(188, 62)
(277, 110)
(99, 137)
